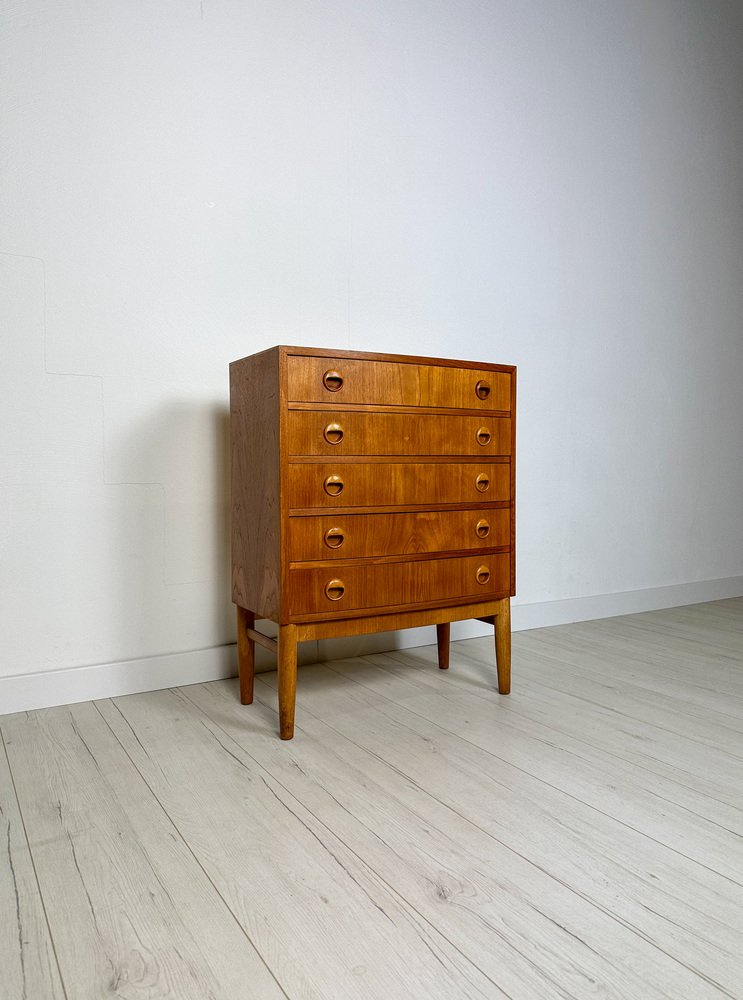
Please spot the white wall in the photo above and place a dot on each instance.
(555, 184)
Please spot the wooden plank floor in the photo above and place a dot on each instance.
(421, 837)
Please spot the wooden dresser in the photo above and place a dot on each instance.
(370, 492)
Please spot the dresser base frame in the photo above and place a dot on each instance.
(496, 613)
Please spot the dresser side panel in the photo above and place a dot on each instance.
(513, 483)
(255, 474)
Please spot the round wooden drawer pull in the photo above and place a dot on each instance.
(483, 436)
(333, 486)
(483, 574)
(333, 433)
(334, 538)
(333, 381)
(482, 529)
(334, 590)
(482, 482)
(482, 389)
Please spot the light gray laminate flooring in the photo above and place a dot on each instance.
(422, 837)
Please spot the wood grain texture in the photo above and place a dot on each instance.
(395, 434)
(443, 633)
(316, 432)
(325, 920)
(407, 359)
(670, 805)
(28, 965)
(367, 485)
(256, 491)
(264, 640)
(287, 679)
(397, 383)
(513, 484)
(530, 931)
(369, 535)
(502, 623)
(324, 628)
(133, 915)
(245, 654)
(454, 411)
(422, 836)
(688, 909)
(370, 587)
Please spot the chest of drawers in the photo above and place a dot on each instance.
(370, 492)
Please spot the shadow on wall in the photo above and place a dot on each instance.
(222, 571)
(172, 560)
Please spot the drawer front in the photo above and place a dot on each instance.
(354, 536)
(328, 432)
(344, 380)
(326, 591)
(347, 484)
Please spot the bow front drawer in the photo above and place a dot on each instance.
(389, 383)
(382, 484)
(354, 536)
(363, 588)
(329, 432)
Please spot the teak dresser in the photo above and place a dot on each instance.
(370, 492)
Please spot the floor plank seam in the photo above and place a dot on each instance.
(34, 869)
(185, 842)
(555, 788)
(422, 836)
(405, 902)
(513, 710)
(483, 830)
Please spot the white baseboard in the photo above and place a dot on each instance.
(44, 689)
(22, 692)
(628, 602)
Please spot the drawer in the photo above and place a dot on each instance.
(372, 484)
(328, 432)
(324, 591)
(345, 380)
(353, 536)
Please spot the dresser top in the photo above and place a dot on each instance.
(321, 352)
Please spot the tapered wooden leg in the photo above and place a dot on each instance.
(442, 638)
(287, 679)
(503, 645)
(245, 655)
